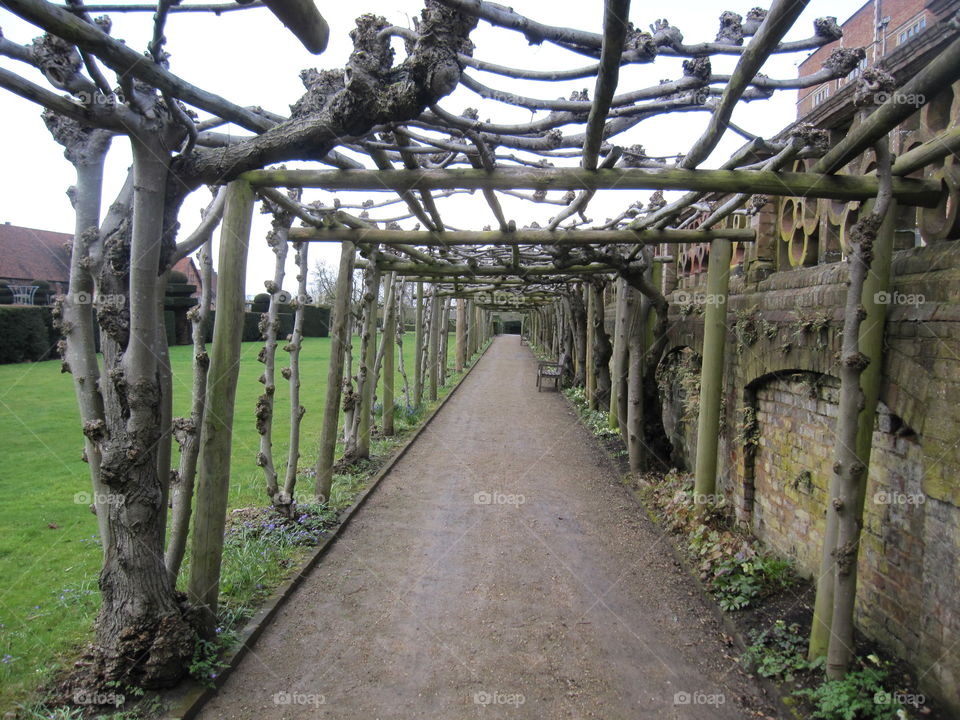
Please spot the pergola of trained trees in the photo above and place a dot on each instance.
(378, 125)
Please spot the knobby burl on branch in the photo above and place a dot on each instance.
(370, 91)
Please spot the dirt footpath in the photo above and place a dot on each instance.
(499, 571)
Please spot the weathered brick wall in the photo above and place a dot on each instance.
(795, 418)
(781, 366)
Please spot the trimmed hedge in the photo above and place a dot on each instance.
(26, 333)
(251, 330)
(316, 321)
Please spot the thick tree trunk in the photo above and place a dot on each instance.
(165, 381)
(471, 329)
(339, 340)
(631, 321)
(141, 633)
(618, 369)
(635, 406)
(602, 350)
(576, 320)
(87, 151)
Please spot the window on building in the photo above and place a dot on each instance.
(821, 94)
(913, 28)
(853, 74)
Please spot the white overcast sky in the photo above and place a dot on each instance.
(251, 59)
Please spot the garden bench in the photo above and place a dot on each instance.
(550, 371)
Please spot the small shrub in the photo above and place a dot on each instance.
(861, 695)
(206, 664)
(748, 576)
(25, 333)
(779, 652)
(597, 421)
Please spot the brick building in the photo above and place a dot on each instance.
(880, 27)
(28, 255)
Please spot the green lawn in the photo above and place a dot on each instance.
(49, 556)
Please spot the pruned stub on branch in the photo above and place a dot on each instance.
(558, 267)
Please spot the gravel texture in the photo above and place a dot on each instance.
(499, 570)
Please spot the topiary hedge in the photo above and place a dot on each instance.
(26, 333)
(316, 321)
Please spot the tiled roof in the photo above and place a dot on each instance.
(30, 254)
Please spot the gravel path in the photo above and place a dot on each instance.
(498, 571)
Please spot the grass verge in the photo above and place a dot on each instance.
(49, 548)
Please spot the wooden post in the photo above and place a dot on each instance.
(418, 350)
(217, 432)
(339, 341)
(711, 371)
(461, 334)
(389, 342)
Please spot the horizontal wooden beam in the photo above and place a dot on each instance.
(423, 271)
(520, 237)
(908, 191)
(304, 20)
(947, 143)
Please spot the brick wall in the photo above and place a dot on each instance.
(795, 417)
(858, 31)
(782, 343)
